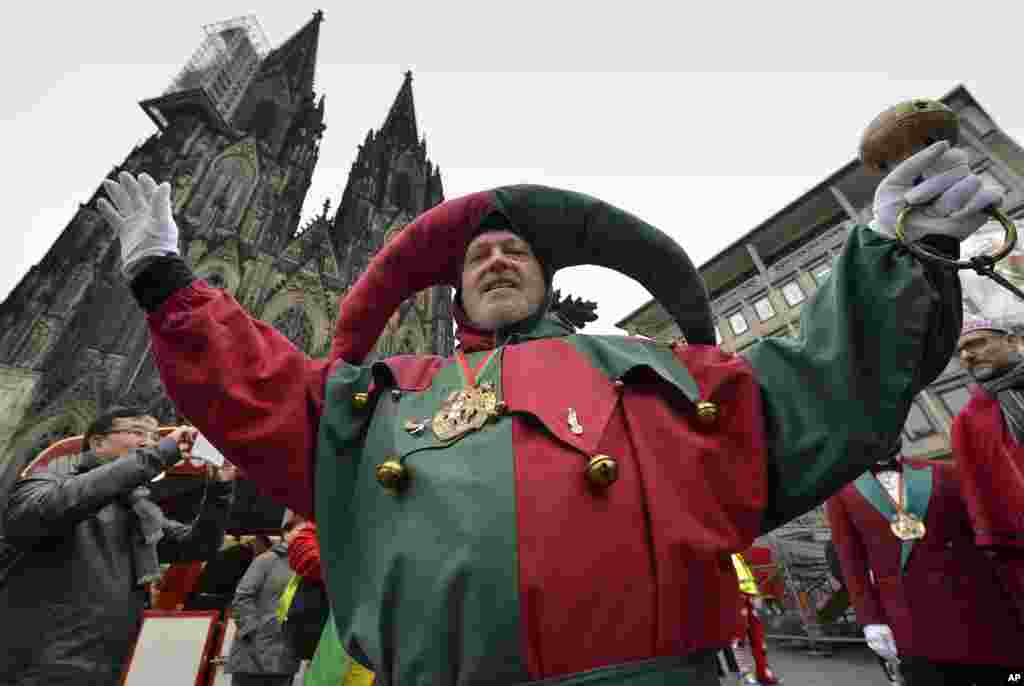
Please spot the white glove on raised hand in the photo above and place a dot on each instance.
(142, 219)
(880, 640)
(941, 177)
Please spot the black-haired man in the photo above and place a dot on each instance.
(73, 605)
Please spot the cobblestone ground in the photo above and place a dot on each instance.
(847, 665)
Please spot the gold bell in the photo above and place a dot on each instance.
(392, 475)
(360, 400)
(707, 411)
(602, 471)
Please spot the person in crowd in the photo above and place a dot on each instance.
(453, 494)
(73, 605)
(259, 654)
(330, 665)
(749, 645)
(921, 588)
(988, 446)
(216, 584)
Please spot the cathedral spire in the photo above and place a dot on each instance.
(400, 125)
(297, 55)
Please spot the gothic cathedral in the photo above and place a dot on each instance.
(238, 137)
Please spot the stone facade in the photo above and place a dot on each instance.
(72, 340)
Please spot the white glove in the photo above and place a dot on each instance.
(880, 640)
(942, 178)
(142, 219)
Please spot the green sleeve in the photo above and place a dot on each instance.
(872, 337)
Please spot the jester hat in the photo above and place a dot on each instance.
(564, 228)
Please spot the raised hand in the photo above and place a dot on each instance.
(939, 180)
(142, 219)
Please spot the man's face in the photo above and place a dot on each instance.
(502, 281)
(985, 353)
(127, 433)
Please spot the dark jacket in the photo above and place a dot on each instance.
(259, 646)
(217, 582)
(71, 607)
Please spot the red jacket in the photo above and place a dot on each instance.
(946, 604)
(991, 465)
(991, 468)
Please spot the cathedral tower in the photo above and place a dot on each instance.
(238, 138)
(391, 182)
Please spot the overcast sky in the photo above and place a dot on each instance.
(703, 121)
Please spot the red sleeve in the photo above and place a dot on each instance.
(245, 386)
(853, 560)
(991, 480)
(304, 553)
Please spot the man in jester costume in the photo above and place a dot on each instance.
(546, 505)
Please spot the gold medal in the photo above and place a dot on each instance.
(907, 527)
(465, 410)
(904, 525)
(469, 408)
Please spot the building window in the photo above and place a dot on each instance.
(793, 294)
(764, 309)
(918, 424)
(738, 323)
(954, 399)
(822, 272)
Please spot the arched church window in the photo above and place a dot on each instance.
(295, 325)
(37, 340)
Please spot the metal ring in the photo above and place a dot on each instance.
(1009, 241)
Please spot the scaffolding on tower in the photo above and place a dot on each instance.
(224, 63)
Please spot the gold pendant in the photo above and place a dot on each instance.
(465, 410)
(907, 527)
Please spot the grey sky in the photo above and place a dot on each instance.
(703, 121)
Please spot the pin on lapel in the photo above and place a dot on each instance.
(574, 423)
(414, 427)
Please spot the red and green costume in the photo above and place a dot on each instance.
(991, 465)
(498, 563)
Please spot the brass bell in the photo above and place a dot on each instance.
(707, 412)
(393, 476)
(602, 471)
(360, 400)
